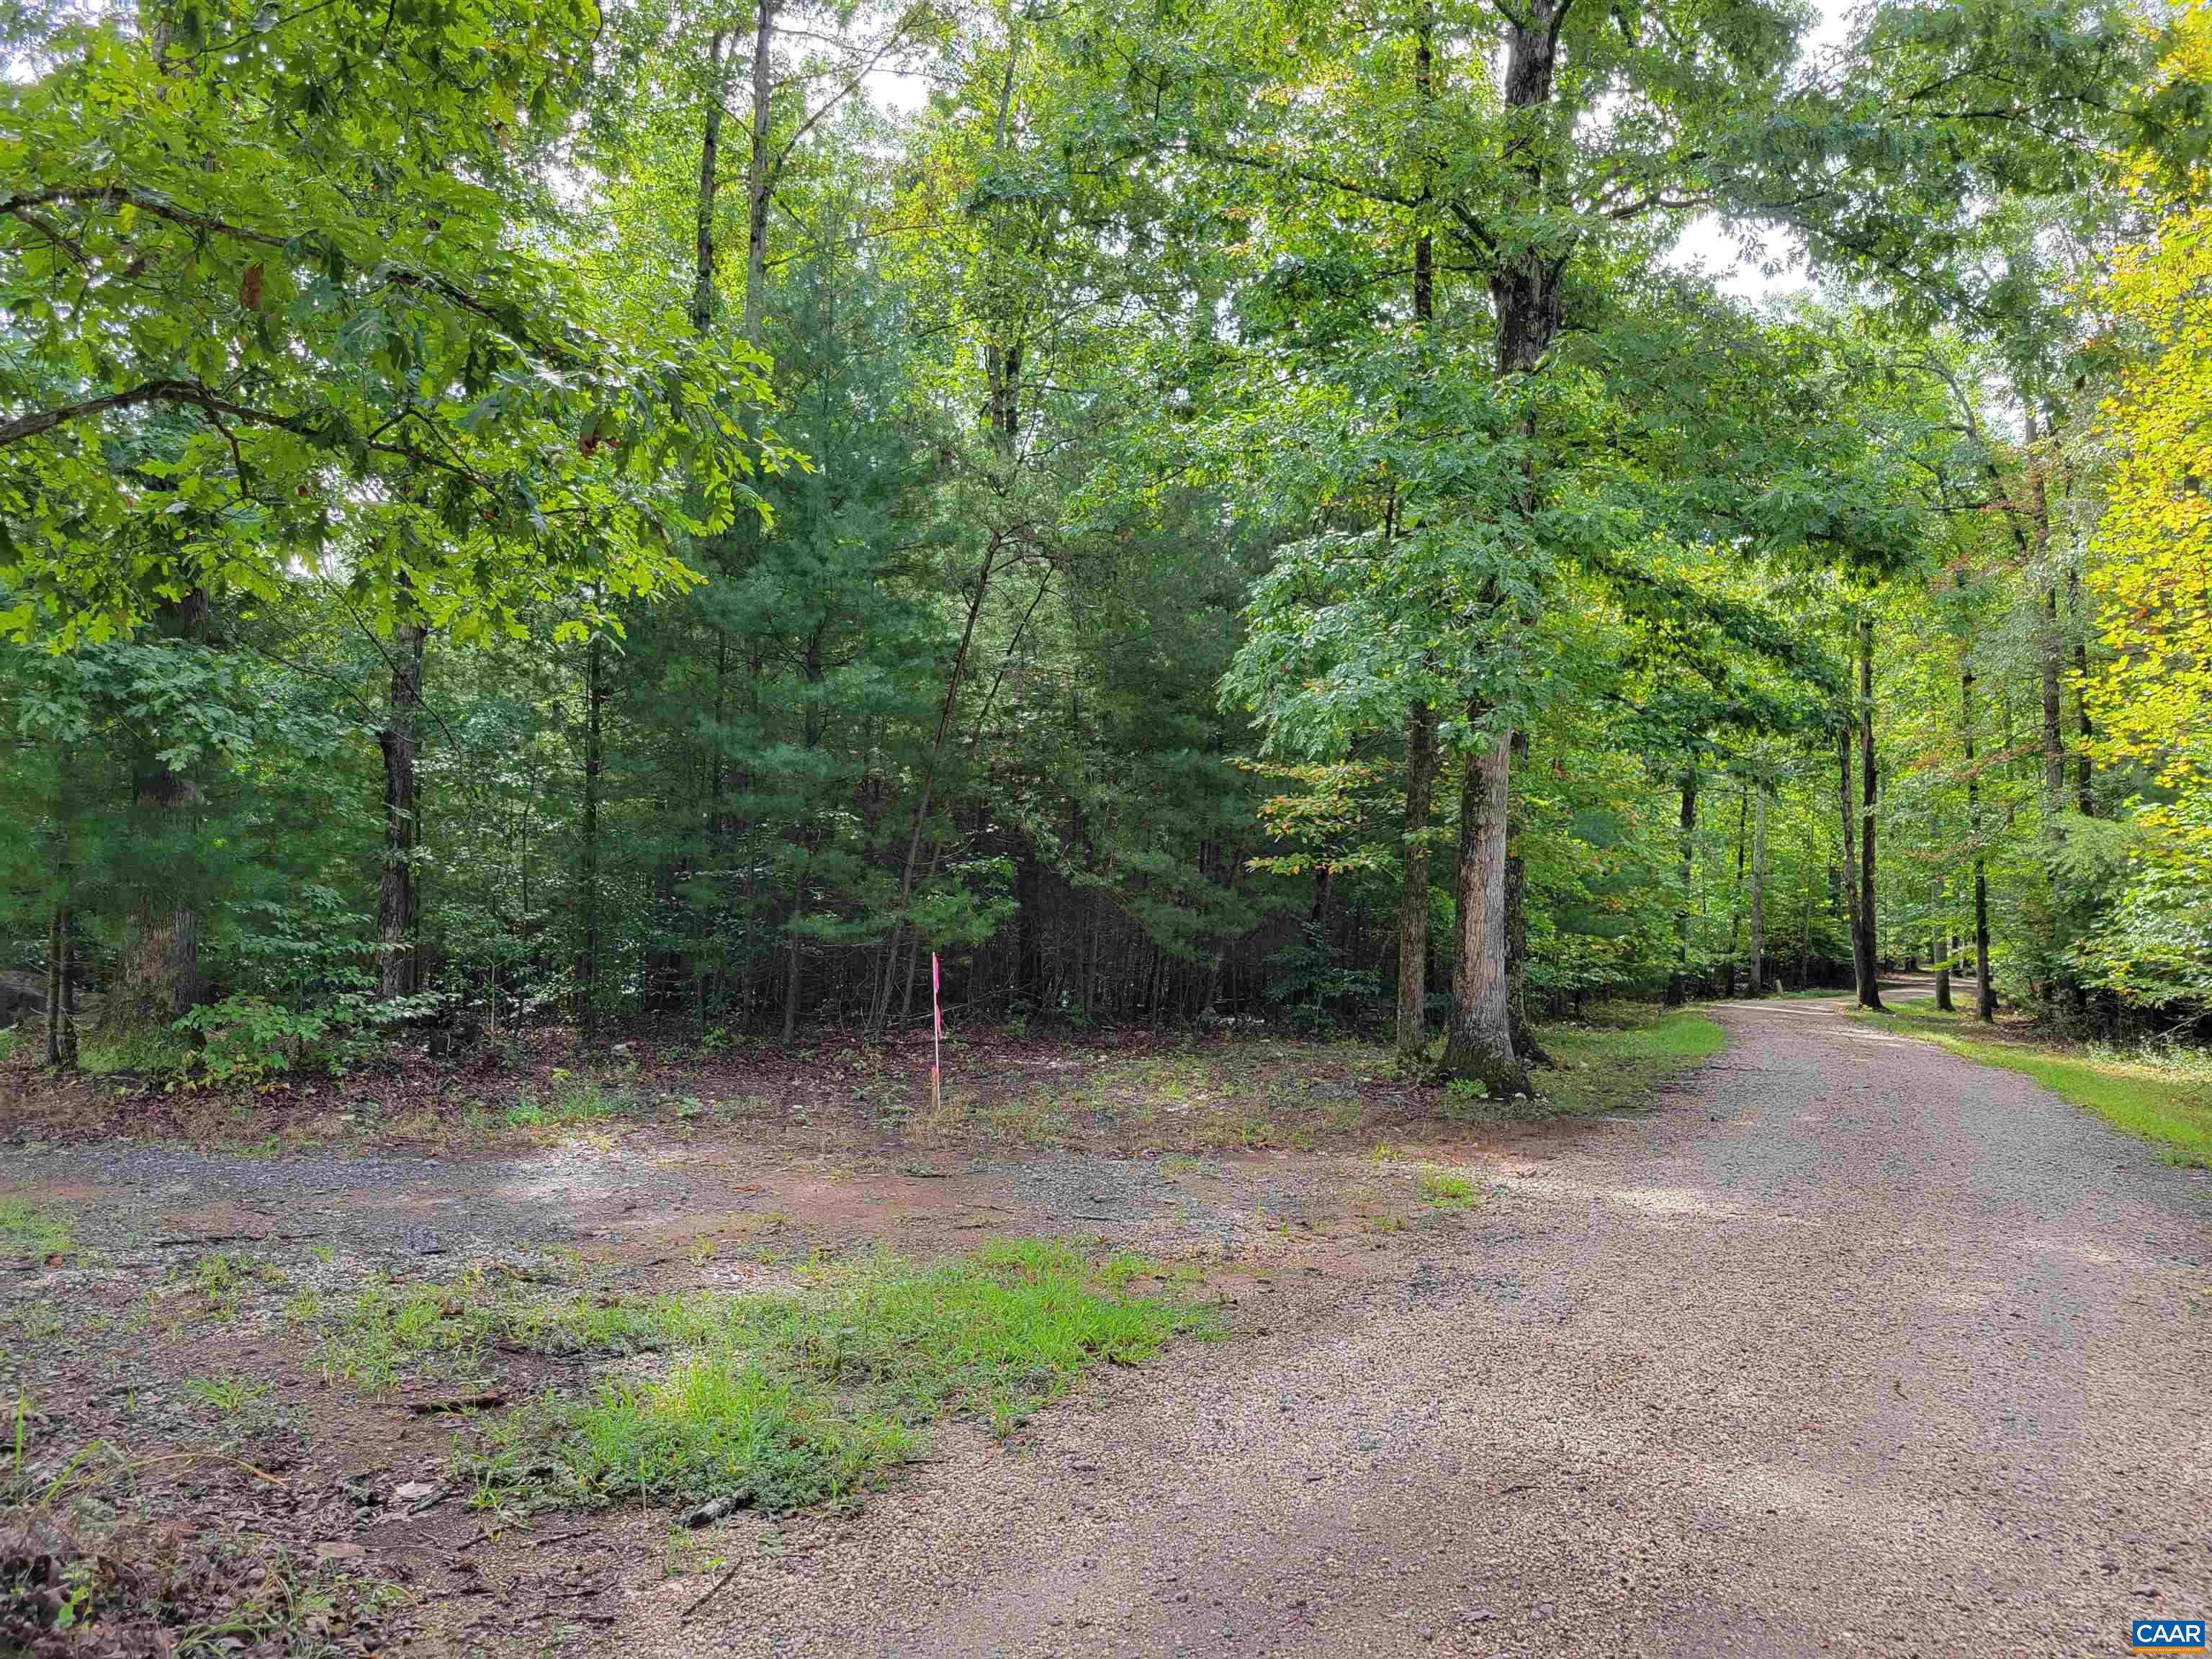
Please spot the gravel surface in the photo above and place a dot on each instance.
(1856, 1346)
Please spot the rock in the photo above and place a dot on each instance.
(340, 1551)
(412, 1492)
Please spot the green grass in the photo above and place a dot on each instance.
(574, 1100)
(229, 1396)
(1448, 1189)
(1612, 1061)
(27, 1229)
(147, 1051)
(783, 1403)
(223, 1277)
(2165, 1101)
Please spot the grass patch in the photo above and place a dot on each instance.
(573, 1101)
(1610, 1062)
(229, 1396)
(37, 1231)
(783, 1403)
(223, 1277)
(1448, 1189)
(2166, 1101)
(153, 1051)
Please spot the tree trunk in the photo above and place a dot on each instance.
(1525, 1046)
(1420, 719)
(1735, 894)
(759, 175)
(1678, 983)
(880, 1012)
(811, 723)
(1413, 894)
(61, 1011)
(1848, 869)
(1479, 1044)
(2085, 798)
(587, 961)
(1869, 971)
(399, 741)
(710, 146)
(1940, 947)
(1758, 893)
(2054, 738)
(1985, 999)
(1524, 290)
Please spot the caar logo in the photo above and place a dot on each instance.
(2166, 1635)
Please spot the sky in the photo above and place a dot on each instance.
(1707, 242)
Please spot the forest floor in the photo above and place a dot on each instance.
(1846, 1343)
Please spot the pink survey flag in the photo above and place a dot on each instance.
(936, 985)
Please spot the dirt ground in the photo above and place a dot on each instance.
(164, 1375)
(1846, 1345)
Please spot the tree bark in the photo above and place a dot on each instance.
(710, 146)
(2085, 798)
(1480, 1045)
(812, 726)
(1413, 894)
(1678, 983)
(1940, 948)
(760, 178)
(1848, 868)
(2054, 736)
(1736, 894)
(1758, 987)
(587, 962)
(1869, 970)
(400, 740)
(1985, 999)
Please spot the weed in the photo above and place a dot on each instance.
(1384, 1151)
(38, 1324)
(574, 1102)
(1448, 1189)
(222, 1279)
(32, 1230)
(387, 1330)
(230, 1395)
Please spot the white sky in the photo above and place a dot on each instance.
(1707, 243)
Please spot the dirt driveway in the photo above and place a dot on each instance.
(1851, 1345)
(1867, 1349)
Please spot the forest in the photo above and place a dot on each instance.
(553, 520)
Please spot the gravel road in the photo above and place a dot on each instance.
(1859, 1347)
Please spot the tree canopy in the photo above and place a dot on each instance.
(539, 515)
